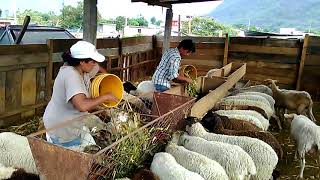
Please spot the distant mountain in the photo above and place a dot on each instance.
(270, 14)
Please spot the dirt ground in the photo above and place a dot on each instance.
(289, 169)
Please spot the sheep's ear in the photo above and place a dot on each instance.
(288, 116)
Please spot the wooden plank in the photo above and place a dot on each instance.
(13, 90)
(211, 83)
(13, 60)
(22, 49)
(136, 48)
(269, 42)
(107, 43)
(276, 58)
(262, 77)
(263, 64)
(226, 50)
(313, 50)
(314, 41)
(199, 45)
(29, 86)
(22, 66)
(41, 88)
(303, 58)
(195, 39)
(264, 49)
(167, 30)
(132, 41)
(313, 60)
(202, 106)
(227, 69)
(2, 92)
(49, 70)
(21, 110)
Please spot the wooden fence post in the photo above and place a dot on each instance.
(226, 49)
(303, 59)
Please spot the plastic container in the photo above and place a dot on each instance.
(107, 83)
(190, 69)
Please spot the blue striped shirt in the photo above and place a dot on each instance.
(168, 68)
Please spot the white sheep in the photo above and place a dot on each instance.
(267, 107)
(243, 117)
(15, 152)
(264, 157)
(264, 122)
(306, 135)
(235, 103)
(166, 167)
(235, 161)
(198, 163)
(268, 97)
(211, 72)
(12, 173)
(144, 87)
(258, 88)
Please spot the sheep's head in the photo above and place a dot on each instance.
(289, 117)
(196, 129)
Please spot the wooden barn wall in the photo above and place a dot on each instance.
(310, 80)
(209, 52)
(23, 84)
(267, 58)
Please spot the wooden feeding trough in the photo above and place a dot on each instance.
(229, 72)
(57, 163)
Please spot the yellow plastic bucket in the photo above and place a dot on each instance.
(107, 83)
(190, 69)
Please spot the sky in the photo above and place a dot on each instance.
(113, 8)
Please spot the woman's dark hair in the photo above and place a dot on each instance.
(187, 44)
(66, 56)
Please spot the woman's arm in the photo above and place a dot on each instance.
(83, 104)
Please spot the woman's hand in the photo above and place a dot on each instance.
(110, 97)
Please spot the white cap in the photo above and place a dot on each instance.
(84, 49)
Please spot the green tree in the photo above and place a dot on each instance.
(206, 26)
(133, 22)
(72, 17)
(120, 22)
(153, 20)
(47, 19)
(158, 23)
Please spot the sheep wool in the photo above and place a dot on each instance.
(268, 97)
(198, 163)
(243, 117)
(236, 162)
(166, 167)
(258, 88)
(264, 157)
(266, 105)
(144, 87)
(246, 102)
(15, 152)
(264, 122)
(306, 134)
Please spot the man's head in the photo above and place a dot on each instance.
(186, 47)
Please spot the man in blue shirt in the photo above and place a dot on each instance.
(168, 68)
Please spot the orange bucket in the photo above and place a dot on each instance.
(107, 83)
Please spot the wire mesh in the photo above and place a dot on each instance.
(129, 135)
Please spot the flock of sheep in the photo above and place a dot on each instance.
(230, 142)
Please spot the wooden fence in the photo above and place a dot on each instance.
(23, 81)
(27, 71)
(310, 80)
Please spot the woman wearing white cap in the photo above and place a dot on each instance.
(70, 98)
